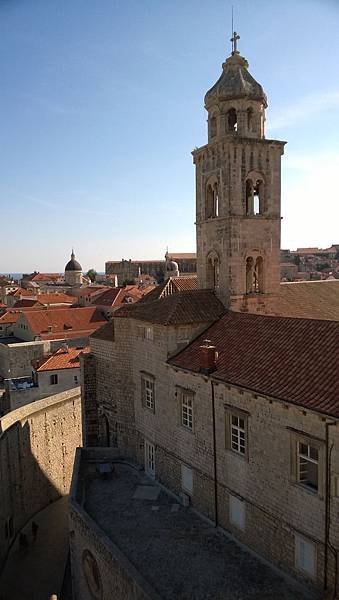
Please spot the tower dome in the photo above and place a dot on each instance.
(73, 265)
(236, 103)
(235, 83)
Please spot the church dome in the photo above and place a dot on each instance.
(73, 265)
(172, 266)
(235, 83)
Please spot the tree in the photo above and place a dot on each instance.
(91, 273)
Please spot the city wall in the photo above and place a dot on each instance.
(37, 447)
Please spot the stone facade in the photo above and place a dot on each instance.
(37, 447)
(128, 270)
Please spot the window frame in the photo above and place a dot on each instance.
(185, 469)
(189, 395)
(312, 442)
(53, 379)
(237, 413)
(298, 540)
(236, 504)
(149, 404)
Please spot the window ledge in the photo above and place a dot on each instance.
(309, 490)
(187, 429)
(243, 457)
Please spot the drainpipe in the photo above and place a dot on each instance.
(207, 358)
(328, 505)
(214, 459)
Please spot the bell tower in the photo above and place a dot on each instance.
(238, 189)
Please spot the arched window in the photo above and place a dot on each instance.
(249, 119)
(212, 200)
(249, 275)
(249, 197)
(255, 195)
(213, 271)
(232, 120)
(213, 127)
(254, 275)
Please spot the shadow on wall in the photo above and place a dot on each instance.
(36, 460)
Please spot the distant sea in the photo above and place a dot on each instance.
(15, 276)
(18, 276)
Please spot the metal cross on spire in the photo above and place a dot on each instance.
(234, 40)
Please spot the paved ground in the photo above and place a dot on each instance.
(179, 554)
(36, 573)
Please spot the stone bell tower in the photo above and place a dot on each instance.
(238, 193)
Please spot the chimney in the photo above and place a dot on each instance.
(208, 357)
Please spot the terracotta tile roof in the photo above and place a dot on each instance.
(64, 358)
(182, 255)
(11, 316)
(184, 283)
(60, 298)
(90, 290)
(106, 332)
(27, 303)
(114, 297)
(198, 306)
(108, 298)
(310, 300)
(63, 322)
(295, 360)
(42, 277)
(20, 292)
(172, 285)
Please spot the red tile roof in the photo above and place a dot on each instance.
(310, 300)
(20, 292)
(114, 297)
(42, 277)
(27, 303)
(57, 298)
(295, 360)
(90, 290)
(198, 306)
(57, 323)
(64, 358)
(10, 316)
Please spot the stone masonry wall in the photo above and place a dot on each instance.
(37, 447)
(92, 551)
(277, 508)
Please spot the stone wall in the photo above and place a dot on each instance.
(277, 509)
(15, 359)
(37, 446)
(99, 568)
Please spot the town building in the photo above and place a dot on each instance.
(51, 374)
(129, 270)
(223, 386)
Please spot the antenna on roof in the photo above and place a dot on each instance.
(232, 22)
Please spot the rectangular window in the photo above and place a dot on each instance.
(54, 379)
(238, 434)
(307, 465)
(149, 458)
(76, 379)
(187, 410)
(148, 333)
(187, 479)
(237, 512)
(305, 555)
(147, 391)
